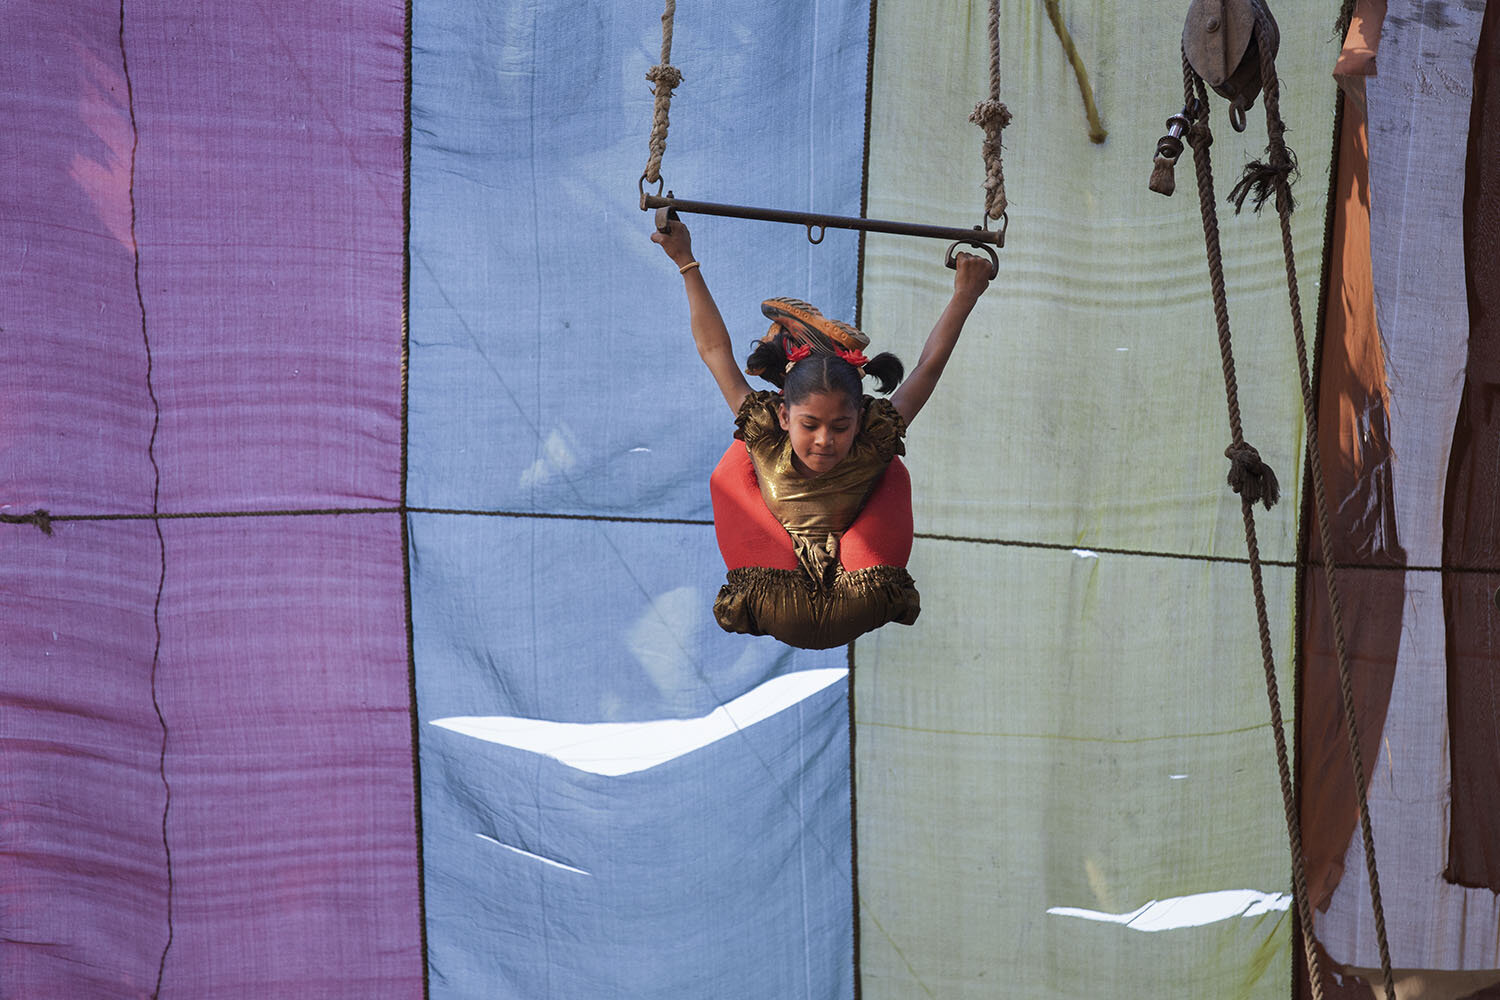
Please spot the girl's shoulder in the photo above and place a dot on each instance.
(883, 428)
(759, 416)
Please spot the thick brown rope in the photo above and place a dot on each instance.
(1276, 132)
(1097, 134)
(665, 78)
(1200, 138)
(992, 115)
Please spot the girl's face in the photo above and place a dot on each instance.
(822, 429)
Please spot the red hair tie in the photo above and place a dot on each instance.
(796, 353)
(855, 358)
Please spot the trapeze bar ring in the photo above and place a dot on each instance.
(641, 186)
(822, 231)
(951, 258)
(1237, 118)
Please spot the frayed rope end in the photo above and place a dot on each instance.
(40, 518)
(1251, 478)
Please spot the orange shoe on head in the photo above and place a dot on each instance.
(803, 321)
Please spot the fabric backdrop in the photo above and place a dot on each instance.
(358, 564)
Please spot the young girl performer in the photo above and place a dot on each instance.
(813, 509)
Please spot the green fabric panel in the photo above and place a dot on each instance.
(1015, 749)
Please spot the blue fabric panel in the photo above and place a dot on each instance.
(552, 374)
(723, 873)
(551, 364)
(578, 621)
(709, 869)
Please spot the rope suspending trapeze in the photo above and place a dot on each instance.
(992, 115)
(665, 77)
(1231, 45)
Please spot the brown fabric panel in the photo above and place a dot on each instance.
(1338, 984)
(1427, 984)
(1491, 992)
(1357, 58)
(1471, 525)
(1354, 446)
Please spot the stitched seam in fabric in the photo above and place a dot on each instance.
(406, 596)
(161, 580)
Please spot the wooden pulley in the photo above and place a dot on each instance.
(1222, 40)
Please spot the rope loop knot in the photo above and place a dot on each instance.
(992, 115)
(1251, 478)
(1261, 180)
(663, 76)
(1199, 135)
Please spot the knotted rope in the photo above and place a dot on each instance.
(665, 77)
(1262, 179)
(1278, 155)
(1253, 481)
(1250, 477)
(992, 115)
(1249, 471)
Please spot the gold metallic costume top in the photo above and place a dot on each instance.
(821, 605)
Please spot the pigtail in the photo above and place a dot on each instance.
(768, 359)
(888, 368)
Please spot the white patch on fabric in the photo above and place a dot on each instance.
(1085, 553)
(534, 857)
(1187, 911)
(616, 748)
(658, 642)
(558, 458)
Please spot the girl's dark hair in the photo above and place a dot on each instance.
(820, 372)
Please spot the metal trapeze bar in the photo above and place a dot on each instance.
(812, 220)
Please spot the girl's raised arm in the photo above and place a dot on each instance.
(969, 283)
(709, 332)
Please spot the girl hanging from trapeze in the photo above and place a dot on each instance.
(812, 506)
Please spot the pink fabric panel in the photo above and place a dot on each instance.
(74, 411)
(83, 886)
(268, 194)
(292, 822)
(265, 191)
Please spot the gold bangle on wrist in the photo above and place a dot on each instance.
(684, 269)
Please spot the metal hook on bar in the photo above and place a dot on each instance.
(822, 231)
(1000, 233)
(641, 186)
